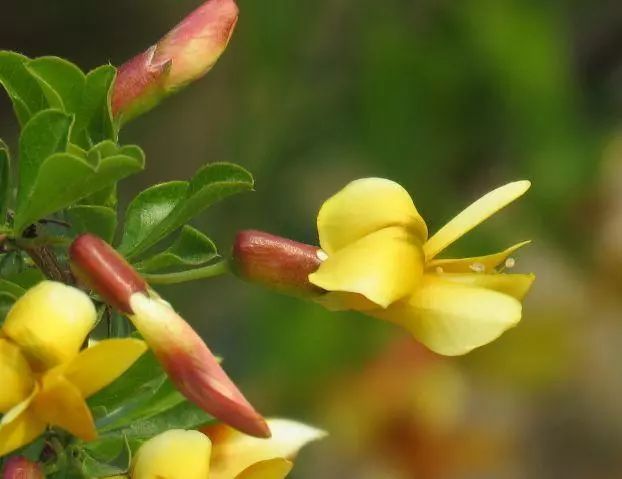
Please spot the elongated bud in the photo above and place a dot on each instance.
(182, 353)
(185, 54)
(96, 264)
(19, 467)
(49, 323)
(276, 262)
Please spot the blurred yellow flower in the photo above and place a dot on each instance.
(45, 377)
(221, 452)
(377, 258)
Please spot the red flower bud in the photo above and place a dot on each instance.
(182, 353)
(185, 54)
(18, 467)
(104, 270)
(276, 262)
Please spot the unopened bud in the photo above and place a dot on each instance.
(185, 54)
(95, 263)
(185, 357)
(276, 262)
(18, 467)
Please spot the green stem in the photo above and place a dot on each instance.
(210, 271)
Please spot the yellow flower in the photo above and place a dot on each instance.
(221, 452)
(377, 258)
(45, 377)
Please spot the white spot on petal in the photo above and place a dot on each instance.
(321, 255)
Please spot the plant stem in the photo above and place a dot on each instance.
(46, 261)
(210, 271)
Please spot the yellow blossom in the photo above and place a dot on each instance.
(377, 258)
(45, 377)
(221, 452)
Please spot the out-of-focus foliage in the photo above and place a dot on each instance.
(450, 99)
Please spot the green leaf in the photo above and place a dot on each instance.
(191, 248)
(46, 133)
(147, 210)
(95, 115)
(91, 467)
(63, 178)
(22, 88)
(210, 184)
(5, 180)
(10, 288)
(99, 220)
(61, 81)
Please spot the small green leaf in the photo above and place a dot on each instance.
(62, 179)
(95, 115)
(61, 81)
(99, 220)
(22, 88)
(46, 133)
(147, 210)
(210, 184)
(191, 248)
(91, 467)
(11, 288)
(5, 180)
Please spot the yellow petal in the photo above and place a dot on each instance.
(271, 469)
(383, 266)
(515, 285)
(453, 319)
(49, 323)
(473, 215)
(365, 206)
(16, 378)
(341, 301)
(99, 365)
(465, 265)
(60, 403)
(19, 427)
(234, 452)
(174, 454)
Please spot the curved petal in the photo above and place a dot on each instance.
(473, 215)
(453, 319)
(277, 468)
(365, 206)
(383, 266)
(19, 427)
(342, 301)
(465, 265)
(60, 403)
(173, 454)
(49, 323)
(99, 365)
(234, 452)
(15, 376)
(515, 285)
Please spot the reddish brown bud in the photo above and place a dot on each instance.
(276, 262)
(19, 467)
(100, 267)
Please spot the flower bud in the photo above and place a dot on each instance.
(174, 454)
(19, 467)
(104, 270)
(185, 54)
(49, 323)
(182, 353)
(278, 263)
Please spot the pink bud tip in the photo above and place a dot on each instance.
(100, 267)
(276, 262)
(19, 467)
(183, 55)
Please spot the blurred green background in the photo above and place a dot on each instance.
(450, 99)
